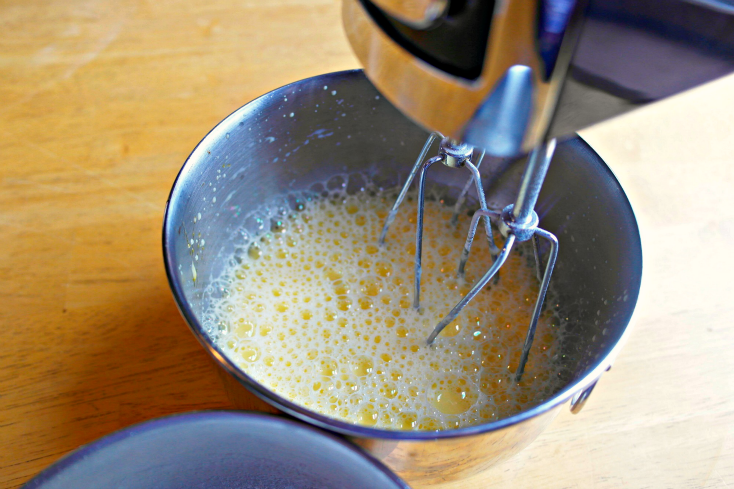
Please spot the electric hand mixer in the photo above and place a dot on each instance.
(511, 77)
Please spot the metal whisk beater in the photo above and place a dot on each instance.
(517, 223)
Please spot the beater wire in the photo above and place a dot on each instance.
(462, 196)
(406, 186)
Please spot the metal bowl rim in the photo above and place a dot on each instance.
(318, 419)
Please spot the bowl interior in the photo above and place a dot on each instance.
(335, 124)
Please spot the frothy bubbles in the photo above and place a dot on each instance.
(317, 312)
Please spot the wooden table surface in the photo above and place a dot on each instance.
(100, 103)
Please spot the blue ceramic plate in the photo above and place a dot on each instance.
(218, 450)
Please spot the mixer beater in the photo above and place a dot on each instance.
(517, 223)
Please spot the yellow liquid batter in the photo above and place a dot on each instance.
(321, 315)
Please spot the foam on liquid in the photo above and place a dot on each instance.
(321, 315)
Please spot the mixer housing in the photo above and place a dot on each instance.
(507, 75)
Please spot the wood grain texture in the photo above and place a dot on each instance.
(100, 103)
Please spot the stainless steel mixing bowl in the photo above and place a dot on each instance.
(304, 133)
